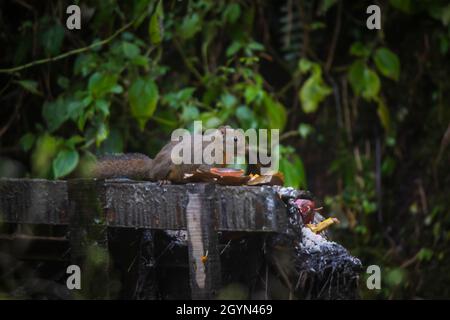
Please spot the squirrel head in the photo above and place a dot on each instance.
(225, 139)
(234, 143)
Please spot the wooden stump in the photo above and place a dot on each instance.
(89, 237)
(204, 259)
(89, 207)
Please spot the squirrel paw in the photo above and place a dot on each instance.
(164, 182)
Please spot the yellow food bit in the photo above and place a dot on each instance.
(316, 228)
(204, 258)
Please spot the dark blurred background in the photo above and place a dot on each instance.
(364, 114)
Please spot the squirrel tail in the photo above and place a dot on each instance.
(134, 166)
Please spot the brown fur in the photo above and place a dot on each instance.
(140, 167)
(130, 165)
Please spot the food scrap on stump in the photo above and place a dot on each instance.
(316, 267)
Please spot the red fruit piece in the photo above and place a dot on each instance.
(307, 209)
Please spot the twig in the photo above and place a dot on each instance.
(346, 109)
(378, 181)
(291, 83)
(188, 64)
(289, 134)
(423, 196)
(69, 53)
(445, 141)
(337, 100)
(5, 87)
(410, 261)
(24, 4)
(11, 119)
(337, 29)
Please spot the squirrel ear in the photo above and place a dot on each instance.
(223, 129)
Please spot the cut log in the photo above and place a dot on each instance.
(308, 265)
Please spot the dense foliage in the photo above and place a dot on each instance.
(364, 114)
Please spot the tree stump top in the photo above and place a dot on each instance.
(141, 204)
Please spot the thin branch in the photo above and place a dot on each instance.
(291, 83)
(5, 87)
(337, 100)
(410, 261)
(24, 4)
(289, 134)
(69, 53)
(13, 117)
(188, 64)
(337, 29)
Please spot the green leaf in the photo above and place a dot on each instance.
(369, 207)
(395, 277)
(358, 49)
(73, 141)
(228, 100)
(326, 5)
(445, 15)
(190, 113)
(101, 83)
(96, 257)
(63, 82)
(102, 105)
(232, 12)
(113, 143)
(425, 254)
(65, 162)
(255, 46)
(388, 166)
(252, 93)
(118, 89)
(178, 98)
(244, 113)
(210, 120)
(305, 65)
(313, 92)
(55, 113)
(85, 64)
(276, 113)
(143, 96)
(52, 39)
(233, 48)
(30, 86)
(130, 50)
(318, 25)
(102, 134)
(245, 116)
(27, 141)
(190, 26)
(361, 229)
(156, 26)
(363, 80)
(43, 153)
(387, 63)
(75, 109)
(139, 6)
(383, 114)
(185, 94)
(293, 171)
(444, 44)
(402, 5)
(305, 130)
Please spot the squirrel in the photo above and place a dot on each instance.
(138, 166)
